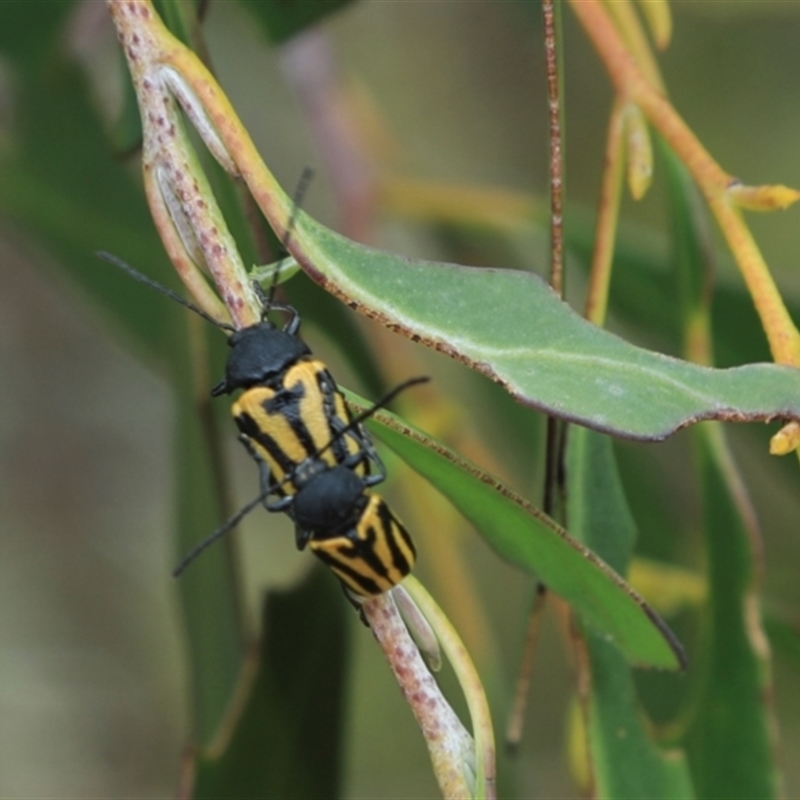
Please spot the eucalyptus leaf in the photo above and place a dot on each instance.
(625, 760)
(511, 326)
(731, 740)
(286, 739)
(528, 538)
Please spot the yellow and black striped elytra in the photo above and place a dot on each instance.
(352, 531)
(285, 422)
(373, 555)
(314, 456)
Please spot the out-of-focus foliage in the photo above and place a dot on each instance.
(96, 660)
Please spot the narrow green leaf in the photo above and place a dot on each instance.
(512, 327)
(627, 764)
(287, 740)
(528, 538)
(730, 741)
(625, 761)
(691, 242)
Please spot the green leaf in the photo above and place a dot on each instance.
(282, 19)
(625, 761)
(528, 538)
(341, 326)
(730, 740)
(287, 739)
(512, 327)
(627, 764)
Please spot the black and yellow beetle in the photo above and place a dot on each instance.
(312, 453)
(290, 408)
(346, 526)
(353, 531)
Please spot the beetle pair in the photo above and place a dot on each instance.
(316, 461)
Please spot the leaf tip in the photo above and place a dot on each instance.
(763, 198)
(786, 440)
(659, 20)
(640, 152)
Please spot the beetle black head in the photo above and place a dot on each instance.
(329, 501)
(258, 354)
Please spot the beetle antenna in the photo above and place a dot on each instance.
(376, 406)
(138, 276)
(226, 526)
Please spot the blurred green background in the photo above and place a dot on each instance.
(92, 688)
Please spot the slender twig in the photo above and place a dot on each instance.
(608, 214)
(556, 164)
